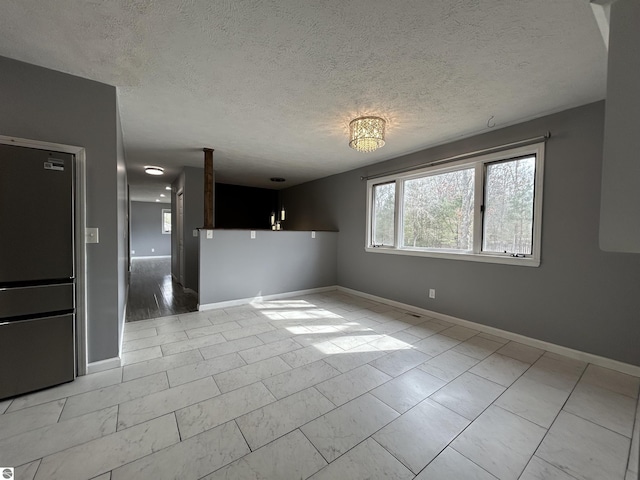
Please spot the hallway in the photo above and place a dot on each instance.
(153, 292)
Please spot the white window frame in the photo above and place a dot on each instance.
(165, 210)
(479, 163)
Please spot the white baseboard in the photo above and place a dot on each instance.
(261, 298)
(102, 365)
(551, 347)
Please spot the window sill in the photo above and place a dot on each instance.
(470, 257)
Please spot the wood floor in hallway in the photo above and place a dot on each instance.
(153, 292)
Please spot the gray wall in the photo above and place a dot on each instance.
(620, 215)
(123, 229)
(191, 182)
(146, 229)
(580, 296)
(234, 266)
(42, 104)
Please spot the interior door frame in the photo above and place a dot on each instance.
(80, 249)
(180, 234)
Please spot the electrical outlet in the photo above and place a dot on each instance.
(133, 252)
(432, 293)
(253, 234)
(153, 250)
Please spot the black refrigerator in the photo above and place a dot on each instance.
(37, 276)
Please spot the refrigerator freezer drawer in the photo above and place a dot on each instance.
(35, 300)
(36, 354)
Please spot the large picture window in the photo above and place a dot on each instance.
(486, 208)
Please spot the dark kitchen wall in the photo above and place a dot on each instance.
(238, 207)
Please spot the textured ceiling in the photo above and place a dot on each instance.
(272, 84)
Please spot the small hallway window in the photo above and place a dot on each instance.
(166, 220)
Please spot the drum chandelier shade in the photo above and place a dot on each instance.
(366, 134)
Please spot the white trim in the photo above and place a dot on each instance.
(551, 347)
(103, 365)
(79, 240)
(149, 256)
(262, 298)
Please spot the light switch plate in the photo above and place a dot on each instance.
(91, 235)
(313, 234)
(253, 234)
(195, 233)
(209, 234)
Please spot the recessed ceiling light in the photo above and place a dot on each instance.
(154, 170)
(157, 199)
(162, 195)
(167, 187)
(277, 179)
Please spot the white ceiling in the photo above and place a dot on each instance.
(272, 84)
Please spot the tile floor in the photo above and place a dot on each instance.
(326, 386)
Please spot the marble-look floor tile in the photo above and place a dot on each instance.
(538, 469)
(137, 356)
(631, 475)
(104, 454)
(354, 358)
(352, 384)
(273, 349)
(425, 329)
(150, 323)
(400, 361)
(477, 347)
(247, 331)
(585, 450)
(206, 368)
(387, 328)
(604, 407)
(298, 379)
(521, 352)
(391, 343)
(500, 369)
(279, 418)
(192, 344)
(114, 395)
(211, 329)
(183, 324)
(418, 436)
(311, 354)
(275, 335)
(366, 461)
(161, 339)
(343, 428)
(500, 442)
(459, 333)
(191, 459)
(27, 471)
(450, 465)
(162, 364)
(407, 390)
(137, 334)
(104, 476)
(535, 401)
(635, 444)
(230, 347)
(30, 418)
(448, 365)
(291, 457)
(254, 372)
(352, 340)
(210, 413)
(79, 385)
(468, 395)
(166, 401)
(562, 374)
(494, 338)
(29, 446)
(436, 344)
(4, 404)
(611, 380)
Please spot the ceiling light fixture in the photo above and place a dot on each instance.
(162, 195)
(154, 170)
(167, 187)
(366, 134)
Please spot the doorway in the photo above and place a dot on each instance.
(153, 290)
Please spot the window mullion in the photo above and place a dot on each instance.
(478, 217)
(399, 213)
